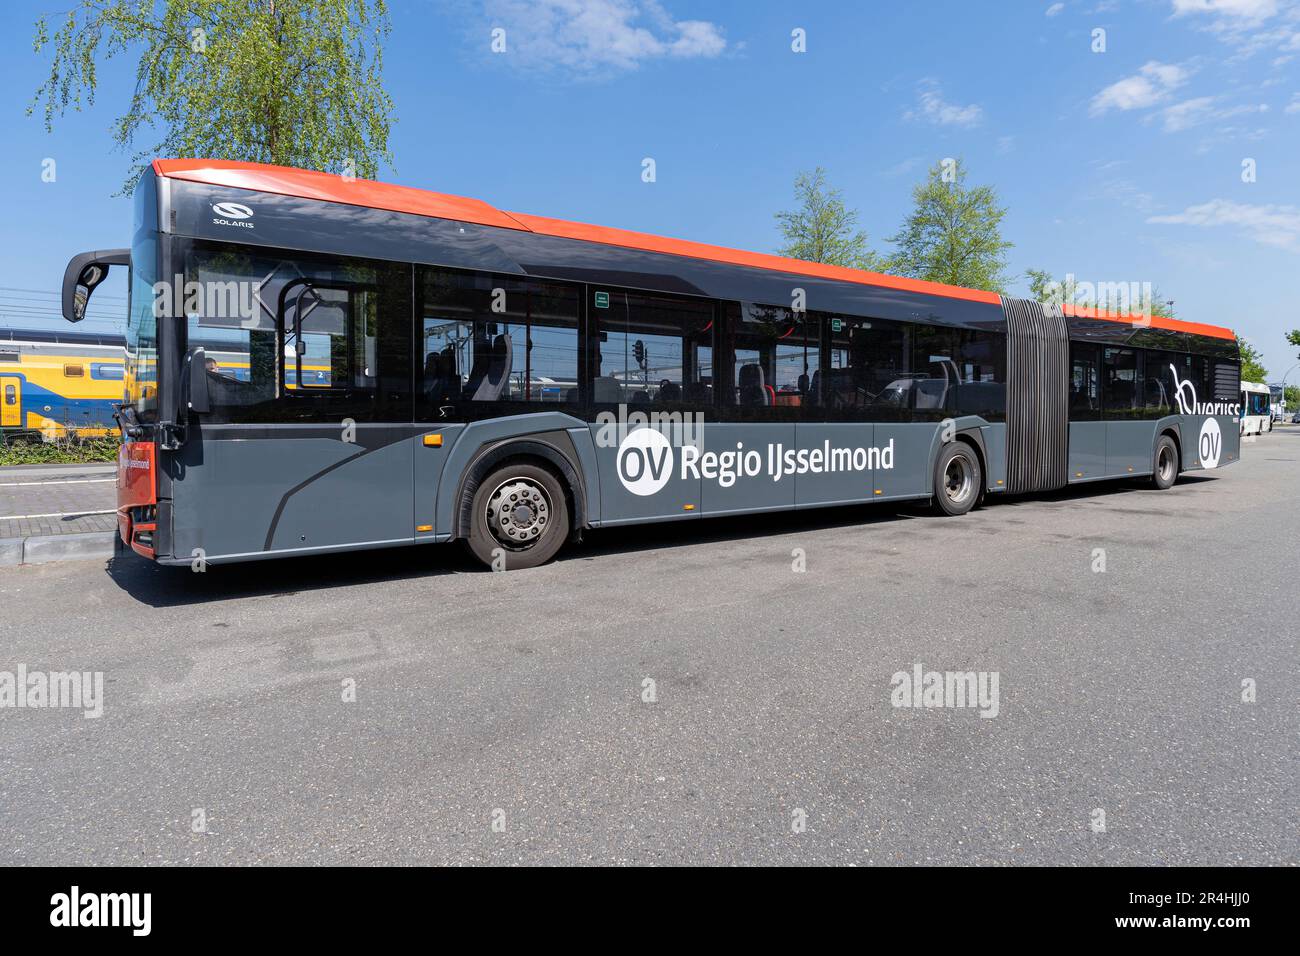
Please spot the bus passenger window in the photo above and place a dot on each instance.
(489, 338)
(1121, 383)
(651, 350)
(1158, 384)
(773, 354)
(870, 372)
(1085, 398)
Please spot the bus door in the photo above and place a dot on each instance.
(11, 401)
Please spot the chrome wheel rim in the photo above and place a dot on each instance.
(958, 479)
(517, 513)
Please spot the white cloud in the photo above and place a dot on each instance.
(1149, 86)
(933, 108)
(1054, 9)
(1127, 193)
(1241, 9)
(1203, 109)
(1294, 105)
(698, 38)
(905, 166)
(1245, 24)
(1187, 113)
(1269, 225)
(587, 35)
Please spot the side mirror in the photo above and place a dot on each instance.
(84, 274)
(196, 367)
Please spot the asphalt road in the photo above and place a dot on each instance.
(523, 693)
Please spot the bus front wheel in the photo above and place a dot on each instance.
(957, 479)
(519, 518)
(1165, 472)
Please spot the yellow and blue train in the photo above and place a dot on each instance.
(59, 384)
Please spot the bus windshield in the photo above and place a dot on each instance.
(141, 375)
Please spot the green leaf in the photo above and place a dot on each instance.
(289, 82)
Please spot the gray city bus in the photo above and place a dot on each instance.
(320, 364)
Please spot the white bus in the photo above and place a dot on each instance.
(1256, 409)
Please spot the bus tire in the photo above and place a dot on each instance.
(1164, 464)
(957, 479)
(519, 518)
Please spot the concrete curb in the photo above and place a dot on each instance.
(44, 548)
(11, 472)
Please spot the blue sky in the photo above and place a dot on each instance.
(1122, 165)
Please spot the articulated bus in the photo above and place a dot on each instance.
(424, 368)
(58, 384)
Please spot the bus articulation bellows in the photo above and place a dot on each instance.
(318, 364)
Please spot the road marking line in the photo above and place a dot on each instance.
(58, 514)
(62, 481)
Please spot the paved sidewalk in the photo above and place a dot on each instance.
(56, 499)
(56, 512)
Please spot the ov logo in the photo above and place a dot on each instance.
(1211, 443)
(645, 461)
(232, 210)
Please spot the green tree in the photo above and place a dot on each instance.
(289, 82)
(1252, 366)
(1294, 337)
(1291, 397)
(953, 234)
(822, 228)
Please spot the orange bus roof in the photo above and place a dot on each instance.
(306, 184)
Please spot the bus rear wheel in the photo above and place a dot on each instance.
(957, 479)
(1165, 470)
(519, 518)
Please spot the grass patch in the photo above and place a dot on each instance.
(65, 451)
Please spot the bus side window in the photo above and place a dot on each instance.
(769, 362)
(1085, 400)
(332, 344)
(1159, 383)
(651, 349)
(868, 376)
(488, 338)
(1121, 381)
